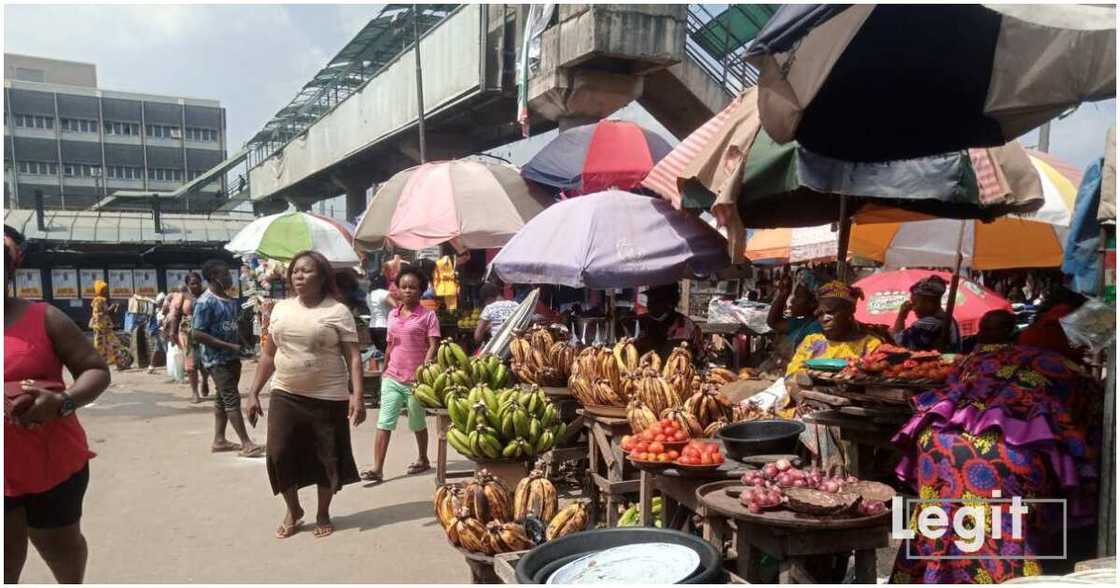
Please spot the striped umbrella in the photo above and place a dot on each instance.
(474, 204)
(1014, 241)
(610, 154)
(281, 236)
(796, 245)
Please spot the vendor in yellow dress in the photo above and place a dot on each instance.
(445, 283)
(105, 339)
(842, 336)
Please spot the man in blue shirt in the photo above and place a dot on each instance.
(927, 333)
(214, 327)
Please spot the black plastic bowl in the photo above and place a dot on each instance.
(549, 555)
(764, 437)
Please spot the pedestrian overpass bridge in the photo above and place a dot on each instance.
(355, 123)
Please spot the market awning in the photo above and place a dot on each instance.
(83, 226)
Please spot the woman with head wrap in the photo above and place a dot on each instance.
(841, 336)
(928, 331)
(105, 339)
(801, 321)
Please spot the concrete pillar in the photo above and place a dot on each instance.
(583, 96)
(355, 202)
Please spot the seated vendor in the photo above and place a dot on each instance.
(1011, 419)
(1046, 331)
(928, 331)
(842, 337)
(800, 322)
(662, 328)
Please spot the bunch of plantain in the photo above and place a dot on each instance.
(712, 430)
(487, 498)
(639, 415)
(679, 361)
(535, 495)
(435, 380)
(510, 423)
(448, 502)
(571, 519)
(708, 406)
(467, 532)
(719, 377)
(689, 423)
(600, 376)
(746, 411)
(539, 357)
(505, 538)
(657, 393)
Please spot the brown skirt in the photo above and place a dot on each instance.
(308, 443)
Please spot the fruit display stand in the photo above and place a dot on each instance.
(481, 566)
(443, 423)
(794, 539)
(678, 494)
(567, 447)
(609, 474)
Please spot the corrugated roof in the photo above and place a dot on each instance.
(80, 226)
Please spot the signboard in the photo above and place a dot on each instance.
(120, 283)
(29, 284)
(145, 281)
(87, 278)
(64, 283)
(176, 278)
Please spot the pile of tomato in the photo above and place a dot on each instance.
(660, 442)
(700, 453)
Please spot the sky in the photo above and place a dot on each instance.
(254, 58)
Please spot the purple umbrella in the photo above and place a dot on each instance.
(610, 239)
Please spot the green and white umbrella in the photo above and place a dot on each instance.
(281, 236)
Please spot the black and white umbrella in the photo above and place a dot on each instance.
(916, 80)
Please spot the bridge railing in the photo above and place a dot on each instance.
(731, 71)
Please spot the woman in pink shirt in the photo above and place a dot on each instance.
(410, 342)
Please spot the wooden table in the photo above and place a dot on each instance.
(482, 567)
(679, 502)
(609, 474)
(443, 423)
(796, 541)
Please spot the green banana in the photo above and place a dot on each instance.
(507, 427)
(424, 394)
(493, 419)
(559, 430)
(521, 422)
(534, 430)
(548, 417)
(459, 355)
(472, 441)
(510, 449)
(455, 411)
(460, 442)
(472, 418)
(490, 446)
(534, 404)
(490, 399)
(498, 376)
(439, 383)
(545, 442)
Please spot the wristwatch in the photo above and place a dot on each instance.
(68, 405)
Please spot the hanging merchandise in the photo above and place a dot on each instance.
(537, 22)
(445, 282)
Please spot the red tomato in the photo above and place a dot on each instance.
(673, 454)
(654, 429)
(642, 446)
(680, 436)
(656, 447)
(663, 457)
(661, 437)
(705, 459)
(717, 458)
(647, 436)
(667, 423)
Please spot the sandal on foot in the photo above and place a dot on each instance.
(285, 531)
(224, 446)
(371, 476)
(419, 467)
(323, 530)
(256, 451)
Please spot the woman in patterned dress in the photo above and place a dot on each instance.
(105, 339)
(1014, 419)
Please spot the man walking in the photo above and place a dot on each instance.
(214, 327)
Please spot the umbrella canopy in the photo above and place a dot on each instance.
(611, 239)
(917, 80)
(478, 204)
(884, 292)
(590, 158)
(797, 245)
(281, 236)
(1026, 241)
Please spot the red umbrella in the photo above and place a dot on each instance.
(592, 158)
(884, 292)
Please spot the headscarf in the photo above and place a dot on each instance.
(101, 289)
(932, 287)
(840, 290)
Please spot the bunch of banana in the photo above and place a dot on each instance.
(746, 411)
(684, 384)
(625, 355)
(450, 356)
(686, 420)
(657, 394)
(639, 415)
(487, 498)
(512, 423)
(708, 406)
(719, 377)
(679, 360)
(448, 502)
(467, 532)
(650, 360)
(571, 519)
(434, 382)
(538, 358)
(713, 428)
(535, 495)
(505, 538)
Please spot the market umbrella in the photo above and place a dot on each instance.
(792, 245)
(1014, 241)
(610, 239)
(885, 292)
(281, 236)
(886, 82)
(590, 158)
(474, 204)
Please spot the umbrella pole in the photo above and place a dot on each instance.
(954, 285)
(842, 240)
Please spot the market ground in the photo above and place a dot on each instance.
(162, 509)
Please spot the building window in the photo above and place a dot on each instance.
(165, 132)
(78, 125)
(31, 121)
(68, 170)
(202, 135)
(122, 128)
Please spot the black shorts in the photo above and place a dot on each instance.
(60, 506)
(226, 377)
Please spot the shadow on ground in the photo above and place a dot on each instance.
(385, 515)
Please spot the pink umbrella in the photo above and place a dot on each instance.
(474, 204)
(884, 292)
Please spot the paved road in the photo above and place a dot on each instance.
(161, 508)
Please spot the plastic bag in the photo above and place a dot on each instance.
(739, 312)
(1093, 325)
(175, 367)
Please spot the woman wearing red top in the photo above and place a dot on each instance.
(46, 458)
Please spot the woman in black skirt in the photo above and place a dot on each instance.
(312, 350)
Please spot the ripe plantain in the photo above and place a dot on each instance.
(535, 495)
(570, 519)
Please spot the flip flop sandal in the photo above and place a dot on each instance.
(418, 468)
(257, 451)
(323, 530)
(228, 446)
(369, 476)
(285, 531)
